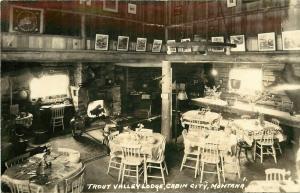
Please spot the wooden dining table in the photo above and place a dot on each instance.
(52, 179)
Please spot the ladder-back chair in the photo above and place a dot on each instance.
(265, 142)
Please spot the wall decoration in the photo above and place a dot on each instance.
(131, 8)
(231, 3)
(26, 20)
(218, 39)
(110, 5)
(171, 50)
(156, 47)
(266, 41)
(291, 40)
(101, 42)
(141, 44)
(185, 49)
(239, 40)
(123, 43)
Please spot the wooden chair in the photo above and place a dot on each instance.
(131, 158)
(57, 117)
(21, 186)
(277, 144)
(274, 174)
(115, 157)
(265, 141)
(190, 153)
(75, 183)
(17, 160)
(158, 162)
(210, 155)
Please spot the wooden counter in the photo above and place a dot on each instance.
(243, 108)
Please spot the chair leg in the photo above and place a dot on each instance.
(238, 169)
(254, 151)
(162, 173)
(218, 172)
(197, 165)
(166, 167)
(63, 125)
(109, 165)
(183, 162)
(123, 173)
(261, 154)
(120, 172)
(279, 148)
(137, 174)
(202, 169)
(274, 153)
(223, 169)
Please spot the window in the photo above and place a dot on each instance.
(246, 81)
(49, 85)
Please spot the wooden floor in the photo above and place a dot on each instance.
(96, 160)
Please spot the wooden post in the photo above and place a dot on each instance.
(166, 101)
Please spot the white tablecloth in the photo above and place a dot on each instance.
(208, 117)
(249, 126)
(149, 144)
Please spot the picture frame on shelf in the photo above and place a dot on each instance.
(291, 40)
(156, 47)
(101, 42)
(169, 49)
(266, 41)
(231, 3)
(239, 40)
(131, 8)
(141, 44)
(26, 20)
(111, 5)
(186, 49)
(218, 39)
(123, 42)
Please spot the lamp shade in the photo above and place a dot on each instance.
(182, 95)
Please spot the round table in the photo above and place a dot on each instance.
(226, 142)
(250, 126)
(64, 164)
(205, 117)
(150, 143)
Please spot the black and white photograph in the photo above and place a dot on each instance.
(156, 46)
(107, 96)
(266, 41)
(123, 42)
(101, 42)
(131, 8)
(141, 44)
(291, 40)
(218, 48)
(239, 41)
(111, 5)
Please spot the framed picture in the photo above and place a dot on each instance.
(101, 42)
(131, 8)
(169, 49)
(218, 39)
(141, 44)
(231, 3)
(123, 43)
(156, 47)
(26, 20)
(110, 5)
(291, 40)
(266, 41)
(186, 49)
(239, 40)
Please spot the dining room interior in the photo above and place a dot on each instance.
(154, 95)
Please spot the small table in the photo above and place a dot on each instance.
(209, 117)
(62, 167)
